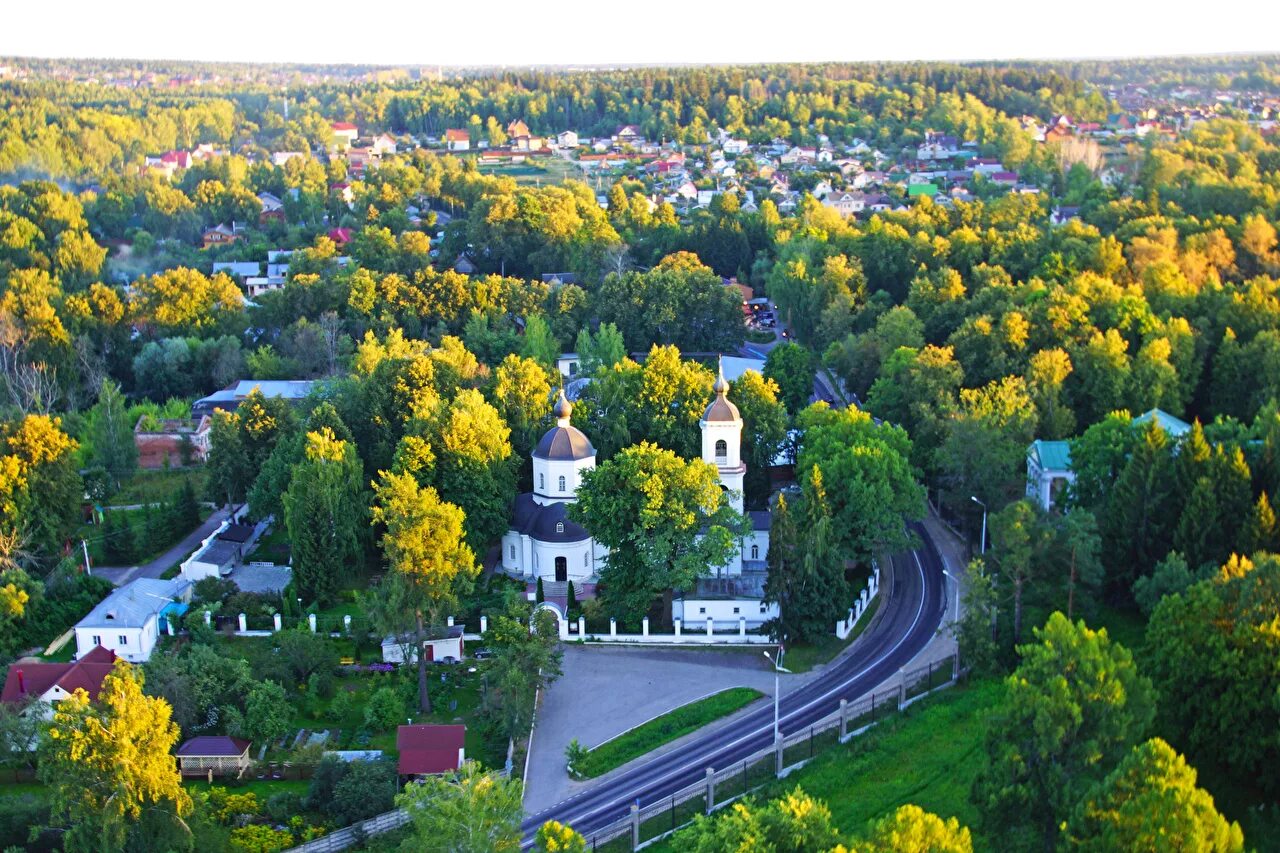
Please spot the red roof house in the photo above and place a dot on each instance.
(53, 682)
(428, 750)
(341, 236)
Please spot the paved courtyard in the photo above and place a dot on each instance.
(606, 690)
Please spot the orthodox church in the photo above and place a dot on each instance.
(544, 543)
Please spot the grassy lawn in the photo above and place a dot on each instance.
(803, 657)
(928, 756)
(661, 730)
(156, 486)
(17, 789)
(263, 788)
(272, 547)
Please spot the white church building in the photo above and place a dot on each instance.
(543, 543)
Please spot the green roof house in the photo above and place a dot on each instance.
(917, 190)
(1173, 427)
(1048, 471)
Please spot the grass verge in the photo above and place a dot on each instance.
(803, 657)
(662, 730)
(928, 756)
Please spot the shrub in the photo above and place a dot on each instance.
(384, 710)
(575, 753)
(368, 788)
(280, 807)
(258, 838)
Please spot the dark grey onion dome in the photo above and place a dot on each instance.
(546, 522)
(721, 410)
(564, 442)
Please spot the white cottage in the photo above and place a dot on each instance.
(129, 620)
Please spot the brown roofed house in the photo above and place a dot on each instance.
(53, 682)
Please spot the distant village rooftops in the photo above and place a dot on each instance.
(230, 398)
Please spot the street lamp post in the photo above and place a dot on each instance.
(983, 547)
(777, 668)
(955, 580)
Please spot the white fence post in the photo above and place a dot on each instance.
(711, 627)
(311, 620)
(168, 623)
(613, 627)
(711, 789)
(582, 627)
(742, 627)
(243, 623)
(276, 619)
(635, 826)
(844, 719)
(346, 624)
(484, 624)
(207, 617)
(644, 626)
(677, 623)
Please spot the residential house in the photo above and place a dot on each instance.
(128, 621)
(627, 134)
(846, 202)
(230, 398)
(457, 140)
(429, 750)
(219, 553)
(237, 269)
(50, 683)
(735, 146)
(272, 209)
(384, 144)
(343, 191)
(567, 139)
(219, 235)
(344, 134)
(1175, 428)
(340, 236)
(210, 755)
(279, 158)
(1048, 472)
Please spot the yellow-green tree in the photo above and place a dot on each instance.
(475, 812)
(109, 767)
(911, 829)
(1150, 802)
(555, 837)
(424, 546)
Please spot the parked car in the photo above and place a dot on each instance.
(482, 654)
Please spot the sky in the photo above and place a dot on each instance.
(598, 32)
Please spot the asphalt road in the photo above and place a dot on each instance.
(911, 616)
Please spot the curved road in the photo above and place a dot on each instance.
(911, 616)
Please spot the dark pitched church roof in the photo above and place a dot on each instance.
(540, 521)
(564, 443)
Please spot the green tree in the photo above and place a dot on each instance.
(113, 445)
(911, 829)
(664, 519)
(604, 349)
(1136, 524)
(764, 431)
(976, 629)
(871, 488)
(267, 713)
(792, 369)
(526, 658)
(1260, 531)
(805, 578)
(424, 547)
(1171, 575)
(474, 812)
(1151, 802)
(384, 710)
(794, 821)
(1212, 647)
(323, 512)
(108, 762)
(1074, 706)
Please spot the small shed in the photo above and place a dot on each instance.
(428, 750)
(446, 649)
(214, 755)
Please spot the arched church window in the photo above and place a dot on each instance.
(542, 483)
(755, 552)
(722, 449)
(562, 484)
(586, 561)
(513, 552)
(559, 527)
